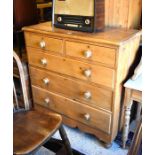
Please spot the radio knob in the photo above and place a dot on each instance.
(59, 19)
(87, 21)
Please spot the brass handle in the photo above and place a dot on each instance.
(46, 101)
(87, 117)
(88, 53)
(46, 81)
(43, 61)
(87, 72)
(87, 95)
(42, 44)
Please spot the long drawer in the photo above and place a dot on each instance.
(74, 89)
(89, 52)
(88, 72)
(79, 112)
(44, 43)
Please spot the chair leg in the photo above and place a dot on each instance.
(65, 140)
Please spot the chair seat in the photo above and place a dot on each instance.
(32, 129)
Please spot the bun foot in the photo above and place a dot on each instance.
(106, 145)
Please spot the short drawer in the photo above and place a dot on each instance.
(74, 110)
(44, 42)
(88, 72)
(100, 54)
(71, 88)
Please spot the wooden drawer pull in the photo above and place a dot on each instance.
(87, 53)
(42, 44)
(46, 81)
(46, 101)
(87, 72)
(87, 117)
(87, 95)
(43, 61)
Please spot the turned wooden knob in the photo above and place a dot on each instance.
(87, 117)
(43, 61)
(46, 101)
(42, 44)
(88, 53)
(87, 72)
(87, 95)
(46, 81)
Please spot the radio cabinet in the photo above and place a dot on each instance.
(80, 75)
(88, 17)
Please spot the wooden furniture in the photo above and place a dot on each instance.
(80, 75)
(133, 92)
(42, 6)
(136, 145)
(123, 13)
(32, 128)
(24, 14)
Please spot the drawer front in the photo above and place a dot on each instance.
(93, 73)
(74, 110)
(74, 89)
(91, 52)
(44, 43)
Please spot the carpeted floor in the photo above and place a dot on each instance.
(89, 144)
(86, 144)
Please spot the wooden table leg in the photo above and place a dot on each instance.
(126, 123)
(139, 108)
(127, 111)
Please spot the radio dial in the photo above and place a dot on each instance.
(59, 19)
(87, 21)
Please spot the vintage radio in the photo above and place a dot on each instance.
(81, 15)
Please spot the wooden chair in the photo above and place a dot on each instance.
(33, 128)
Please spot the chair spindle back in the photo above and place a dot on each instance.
(16, 106)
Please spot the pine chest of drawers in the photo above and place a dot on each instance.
(80, 75)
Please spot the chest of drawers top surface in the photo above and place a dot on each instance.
(112, 36)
